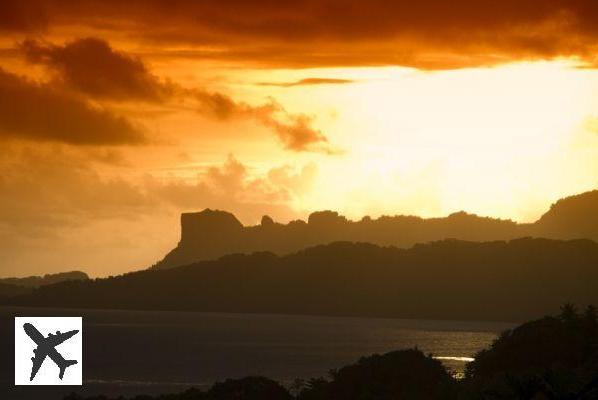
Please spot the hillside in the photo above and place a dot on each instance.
(15, 286)
(450, 279)
(571, 217)
(211, 234)
(12, 290)
(48, 279)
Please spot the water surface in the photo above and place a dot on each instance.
(133, 352)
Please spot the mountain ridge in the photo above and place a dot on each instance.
(15, 286)
(210, 234)
(36, 281)
(449, 279)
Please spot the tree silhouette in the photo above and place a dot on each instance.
(569, 313)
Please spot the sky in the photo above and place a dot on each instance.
(115, 117)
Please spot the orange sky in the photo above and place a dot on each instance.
(117, 116)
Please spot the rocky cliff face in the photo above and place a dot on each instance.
(206, 235)
(211, 234)
(208, 226)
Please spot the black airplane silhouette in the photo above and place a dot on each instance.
(46, 347)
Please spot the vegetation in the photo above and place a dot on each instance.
(250, 388)
(8, 290)
(405, 374)
(450, 279)
(554, 356)
(16, 286)
(550, 358)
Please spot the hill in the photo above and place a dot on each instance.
(48, 279)
(449, 279)
(12, 290)
(211, 234)
(15, 286)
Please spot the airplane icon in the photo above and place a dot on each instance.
(46, 346)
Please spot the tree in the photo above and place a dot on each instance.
(569, 313)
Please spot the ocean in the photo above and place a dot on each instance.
(151, 352)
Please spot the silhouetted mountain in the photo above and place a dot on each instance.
(48, 279)
(571, 217)
(210, 234)
(448, 279)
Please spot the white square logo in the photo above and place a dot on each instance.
(48, 350)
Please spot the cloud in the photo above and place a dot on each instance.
(293, 130)
(427, 34)
(308, 82)
(232, 187)
(34, 111)
(297, 134)
(297, 182)
(22, 16)
(61, 209)
(48, 187)
(91, 66)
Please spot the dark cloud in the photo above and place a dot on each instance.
(95, 69)
(31, 110)
(297, 133)
(308, 82)
(91, 66)
(22, 16)
(428, 34)
(293, 130)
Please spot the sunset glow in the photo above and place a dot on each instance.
(261, 123)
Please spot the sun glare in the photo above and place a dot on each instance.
(430, 143)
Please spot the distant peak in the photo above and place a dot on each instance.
(580, 208)
(208, 223)
(210, 234)
(325, 217)
(267, 221)
(458, 214)
(213, 216)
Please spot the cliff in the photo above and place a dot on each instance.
(211, 234)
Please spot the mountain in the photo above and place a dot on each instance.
(210, 234)
(449, 279)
